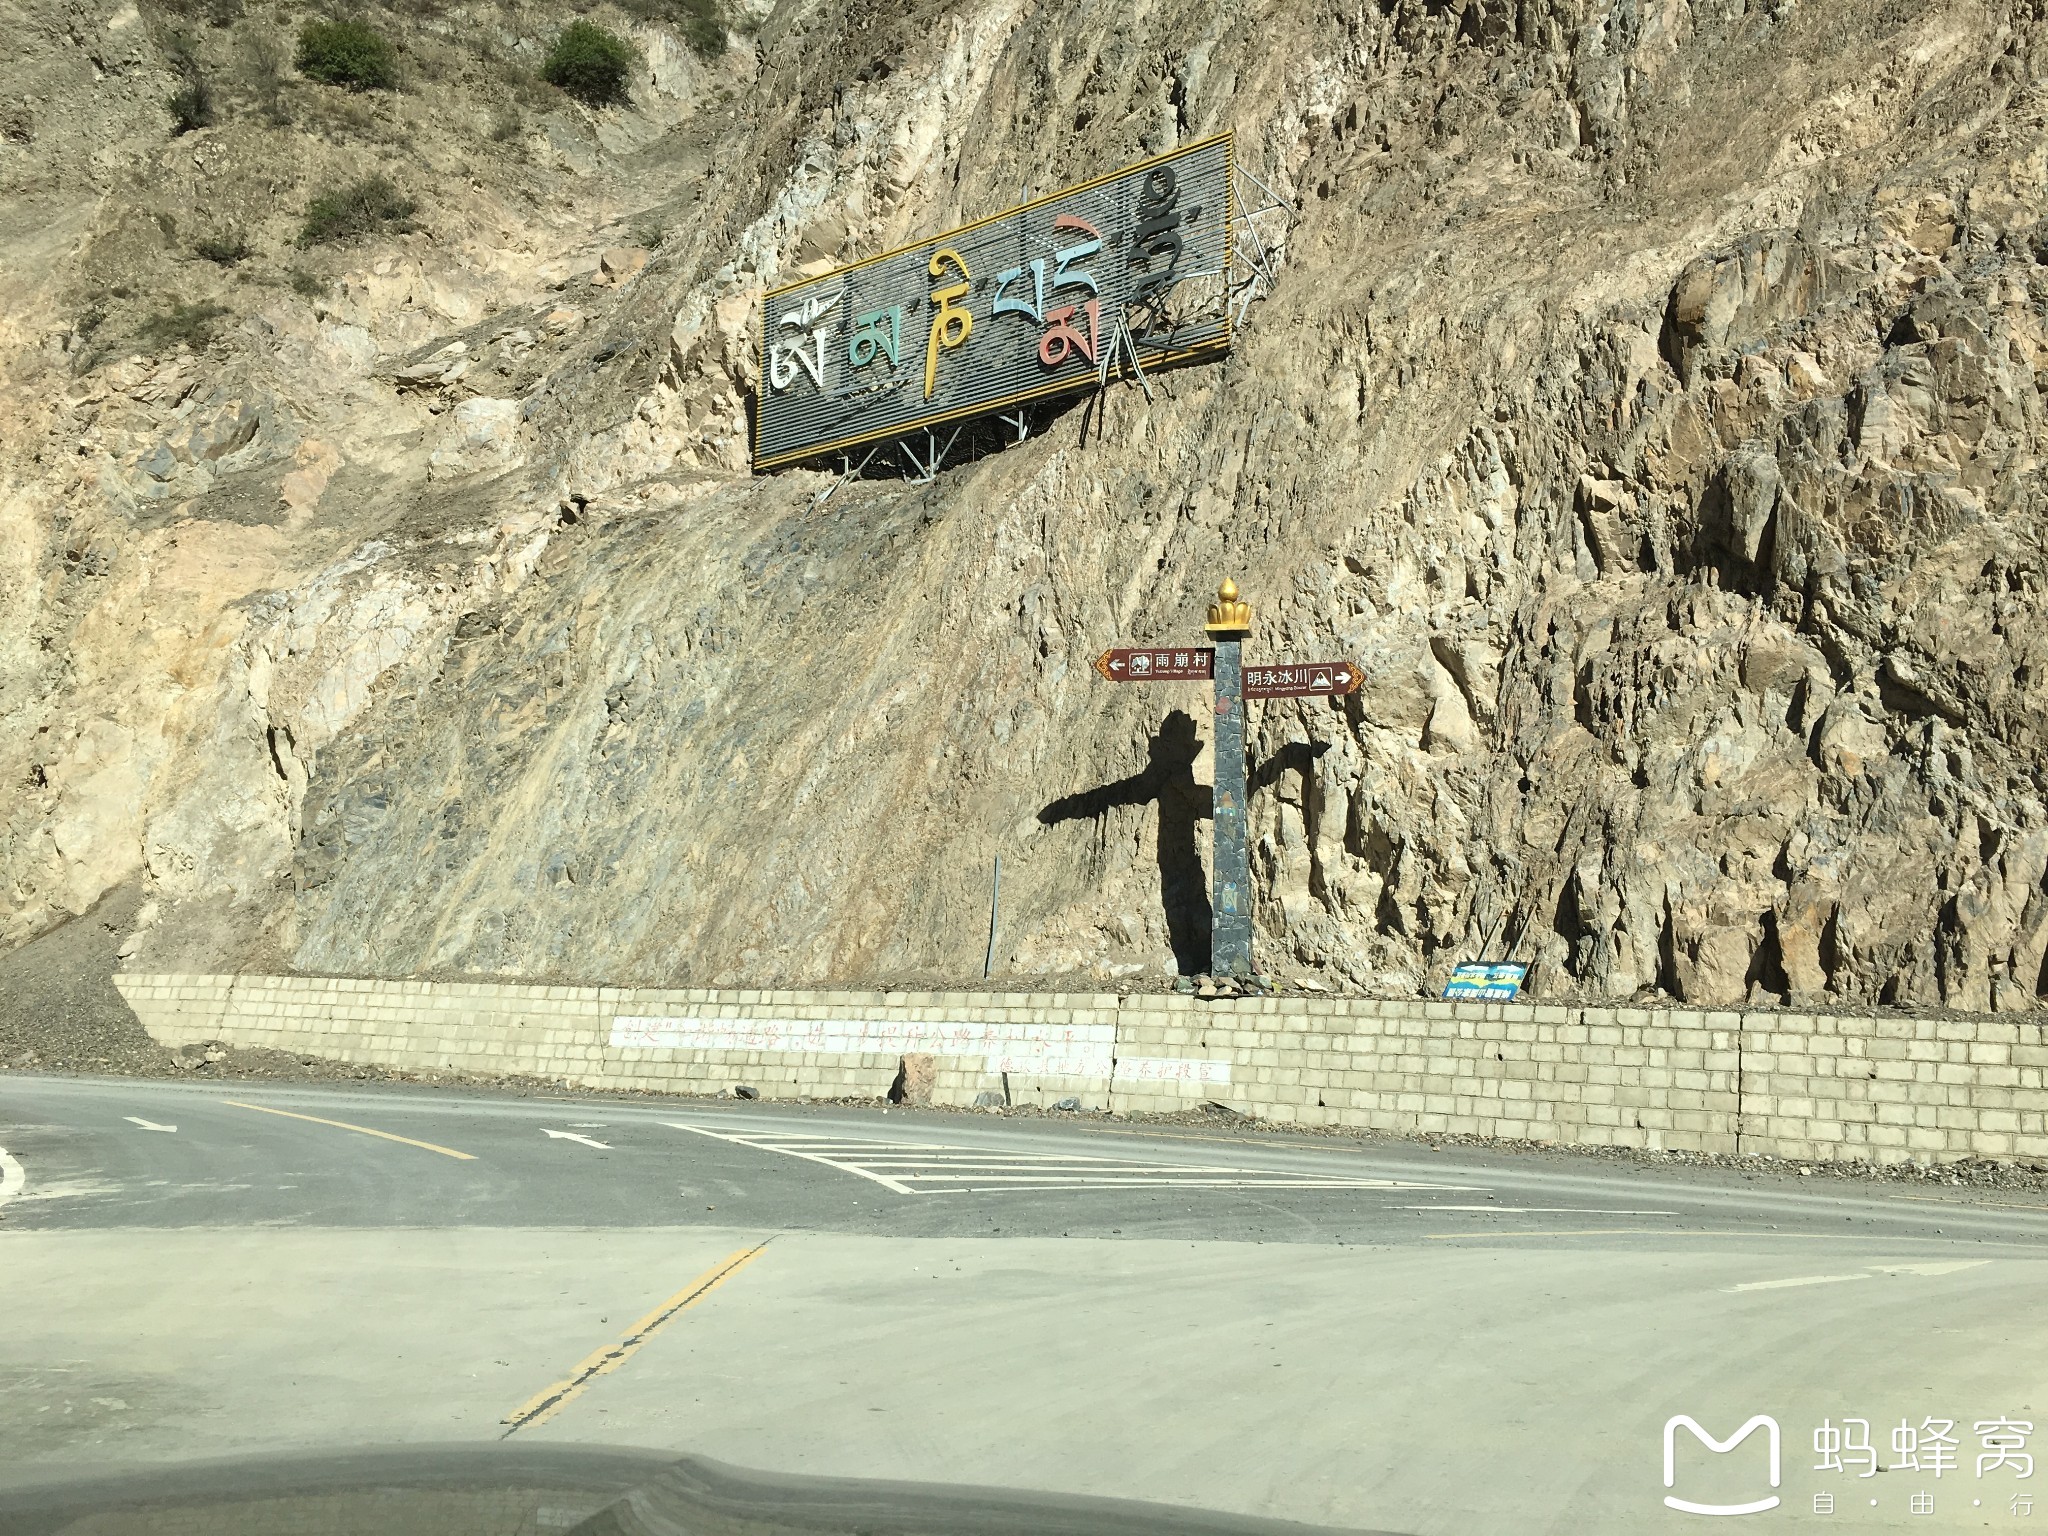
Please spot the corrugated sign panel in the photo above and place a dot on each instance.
(1020, 305)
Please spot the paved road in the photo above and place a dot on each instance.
(1390, 1337)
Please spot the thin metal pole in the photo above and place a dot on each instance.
(995, 897)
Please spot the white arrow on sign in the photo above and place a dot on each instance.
(572, 1136)
(148, 1125)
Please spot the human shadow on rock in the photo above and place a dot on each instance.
(1168, 779)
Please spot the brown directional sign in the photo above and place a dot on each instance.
(1163, 664)
(1301, 680)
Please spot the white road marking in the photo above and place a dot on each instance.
(1539, 1210)
(572, 1136)
(1999, 1205)
(64, 1189)
(937, 1167)
(1932, 1267)
(12, 1179)
(1779, 1285)
(148, 1125)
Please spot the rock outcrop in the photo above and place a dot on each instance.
(1650, 402)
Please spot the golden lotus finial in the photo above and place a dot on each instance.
(1228, 614)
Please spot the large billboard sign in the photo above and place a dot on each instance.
(1052, 296)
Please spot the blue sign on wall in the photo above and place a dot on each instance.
(1481, 981)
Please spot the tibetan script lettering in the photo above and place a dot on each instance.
(952, 325)
(1028, 304)
(870, 340)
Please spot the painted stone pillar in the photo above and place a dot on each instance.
(1230, 905)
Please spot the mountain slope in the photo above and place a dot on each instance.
(1649, 403)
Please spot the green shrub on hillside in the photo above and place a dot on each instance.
(372, 206)
(223, 250)
(192, 103)
(699, 21)
(262, 74)
(590, 63)
(347, 53)
(191, 106)
(190, 324)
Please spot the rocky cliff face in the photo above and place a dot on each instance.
(1650, 403)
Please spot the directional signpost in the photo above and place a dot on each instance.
(1230, 620)
(1302, 680)
(1196, 663)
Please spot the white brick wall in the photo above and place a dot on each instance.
(1793, 1085)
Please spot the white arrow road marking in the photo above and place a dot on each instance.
(148, 1125)
(572, 1136)
(11, 1177)
(1937, 1267)
(1779, 1285)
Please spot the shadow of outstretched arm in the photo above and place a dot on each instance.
(1168, 778)
(1168, 775)
(1138, 789)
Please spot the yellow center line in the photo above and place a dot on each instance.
(361, 1130)
(544, 1405)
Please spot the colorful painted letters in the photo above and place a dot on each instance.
(877, 334)
(1060, 333)
(952, 325)
(1061, 292)
(1005, 305)
(785, 358)
(870, 340)
(1052, 297)
(1067, 256)
(1061, 339)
